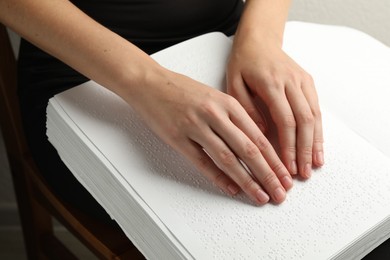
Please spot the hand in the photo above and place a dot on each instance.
(261, 69)
(214, 132)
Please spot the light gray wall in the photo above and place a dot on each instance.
(370, 16)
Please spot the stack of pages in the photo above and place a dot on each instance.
(170, 211)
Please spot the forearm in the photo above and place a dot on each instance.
(263, 20)
(61, 29)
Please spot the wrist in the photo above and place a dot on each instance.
(258, 37)
(140, 80)
(263, 21)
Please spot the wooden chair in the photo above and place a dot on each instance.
(37, 203)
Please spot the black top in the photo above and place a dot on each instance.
(150, 24)
(154, 24)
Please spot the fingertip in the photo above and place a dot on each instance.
(318, 158)
(287, 182)
(233, 189)
(262, 197)
(306, 171)
(293, 167)
(279, 195)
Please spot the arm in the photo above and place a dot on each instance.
(62, 30)
(258, 67)
(190, 116)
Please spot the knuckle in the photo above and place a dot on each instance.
(308, 79)
(187, 117)
(272, 80)
(317, 143)
(291, 149)
(268, 78)
(306, 118)
(248, 184)
(268, 179)
(306, 150)
(227, 158)
(277, 84)
(262, 143)
(294, 80)
(318, 140)
(317, 113)
(208, 108)
(230, 100)
(175, 133)
(189, 120)
(288, 153)
(251, 151)
(278, 167)
(214, 108)
(289, 121)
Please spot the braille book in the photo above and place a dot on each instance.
(170, 211)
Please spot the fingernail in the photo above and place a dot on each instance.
(233, 189)
(294, 168)
(307, 170)
(279, 195)
(287, 182)
(320, 158)
(262, 197)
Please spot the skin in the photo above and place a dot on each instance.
(286, 89)
(198, 121)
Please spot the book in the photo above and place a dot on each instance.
(170, 211)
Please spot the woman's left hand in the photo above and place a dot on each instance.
(264, 70)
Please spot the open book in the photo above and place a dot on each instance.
(170, 211)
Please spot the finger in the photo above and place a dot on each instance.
(264, 147)
(305, 129)
(318, 143)
(284, 119)
(250, 154)
(239, 90)
(318, 139)
(227, 161)
(207, 167)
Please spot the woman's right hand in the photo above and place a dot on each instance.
(189, 116)
(201, 122)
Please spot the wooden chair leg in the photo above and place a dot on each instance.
(53, 248)
(39, 238)
(34, 219)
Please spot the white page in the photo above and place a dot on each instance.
(352, 75)
(108, 187)
(346, 197)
